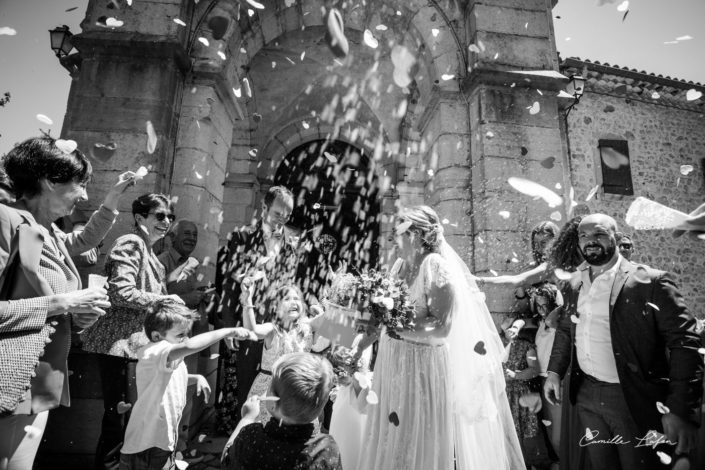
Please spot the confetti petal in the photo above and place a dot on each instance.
(654, 306)
(533, 189)
(664, 457)
(66, 146)
(335, 35)
(535, 108)
(141, 172)
(370, 39)
(394, 418)
(644, 214)
(434, 32)
(151, 138)
(480, 348)
(221, 54)
(562, 275)
(686, 169)
(372, 398)
(214, 356)
(204, 41)
(546, 422)
(693, 94)
(687, 37)
(589, 435)
(181, 464)
(701, 351)
(556, 216)
(179, 22)
(592, 193)
(7, 31)
(574, 319)
(45, 119)
(663, 409)
(504, 214)
(254, 4)
(123, 407)
(381, 27)
(331, 158)
(113, 23)
(201, 437)
(447, 76)
(624, 6)
(655, 95)
(33, 432)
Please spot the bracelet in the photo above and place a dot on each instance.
(248, 306)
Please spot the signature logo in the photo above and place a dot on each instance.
(651, 439)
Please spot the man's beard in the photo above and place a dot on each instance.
(601, 258)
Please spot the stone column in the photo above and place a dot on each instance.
(514, 124)
(129, 75)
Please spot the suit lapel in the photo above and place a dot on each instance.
(67, 258)
(623, 273)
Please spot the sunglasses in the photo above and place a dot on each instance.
(626, 246)
(160, 216)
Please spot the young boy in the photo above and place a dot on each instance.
(300, 386)
(162, 379)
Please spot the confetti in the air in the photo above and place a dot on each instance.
(7, 31)
(253, 153)
(434, 32)
(504, 214)
(33, 432)
(556, 216)
(534, 108)
(589, 434)
(221, 54)
(687, 37)
(592, 193)
(370, 39)
(331, 158)
(494, 273)
(663, 409)
(141, 172)
(114, 23)
(531, 188)
(151, 138)
(204, 41)
(44, 119)
(474, 48)
(447, 76)
(624, 6)
(664, 457)
(254, 4)
(66, 146)
(655, 95)
(181, 464)
(654, 306)
(237, 92)
(179, 22)
(381, 27)
(546, 422)
(372, 398)
(574, 319)
(693, 94)
(612, 158)
(686, 169)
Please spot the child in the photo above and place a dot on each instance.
(299, 390)
(162, 379)
(290, 331)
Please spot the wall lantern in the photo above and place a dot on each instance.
(61, 41)
(575, 88)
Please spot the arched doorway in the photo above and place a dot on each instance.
(337, 209)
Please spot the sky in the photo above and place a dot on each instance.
(39, 85)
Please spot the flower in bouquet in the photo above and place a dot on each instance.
(343, 290)
(387, 300)
(344, 366)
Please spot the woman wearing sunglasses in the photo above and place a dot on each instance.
(136, 278)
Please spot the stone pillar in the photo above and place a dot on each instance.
(129, 75)
(514, 127)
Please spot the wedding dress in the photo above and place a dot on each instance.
(442, 402)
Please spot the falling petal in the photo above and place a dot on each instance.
(7, 31)
(237, 92)
(556, 216)
(504, 214)
(562, 275)
(151, 138)
(254, 4)
(447, 76)
(179, 22)
(113, 23)
(489, 134)
(45, 119)
(246, 84)
(331, 158)
(474, 48)
(548, 162)
(363, 380)
(66, 146)
(445, 221)
(181, 464)
(372, 398)
(684, 38)
(693, 94)
(381, 27)
(370, 39)
(546, 422)
(624, 6)
(33, 432)
(592, 193)
(663, 409)
(305, 124)
(533, 189)
(535, 108)
(589, 434)
(574, 319)
(655, 95)
(204, 41)
(221, 54)
(253, 153)
(303, 54)
(664, 457)
(141, 172)
(644, 214)
(198, 175)
(655, 307)
(686, 169)
(201, 437)
(214, 356)
(434, 32)
(701, 351)
(494, 273)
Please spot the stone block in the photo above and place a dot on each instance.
(118, 114)
(448, 117)
(138, 78)
(197, 204)
(197, 169)
(497, 251)
(506, 139)
(487, 212)
(534, 5)
(513, 106)
(448, 63)
(509, 20)
(490, 173)
(312, 12)
(148, 17)
(452, 150)
(511, 51)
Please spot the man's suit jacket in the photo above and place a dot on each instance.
(244, 253)
(654, 343)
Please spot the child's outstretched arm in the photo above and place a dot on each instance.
(248, 311)
(202, 341)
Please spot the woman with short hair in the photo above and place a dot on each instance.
(136, 279)
(40, 290)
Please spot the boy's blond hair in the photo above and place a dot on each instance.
(302, 381)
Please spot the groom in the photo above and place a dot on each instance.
(258, 248)
(630, 343)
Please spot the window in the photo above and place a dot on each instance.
(616, 170)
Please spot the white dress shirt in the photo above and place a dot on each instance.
(593, 340)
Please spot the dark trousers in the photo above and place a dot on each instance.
(615, 436)
(150, 459)
(239, 370)
(117, 376)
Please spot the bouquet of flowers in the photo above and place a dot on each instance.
(387, 300)
(343, 290)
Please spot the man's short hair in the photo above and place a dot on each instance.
(302, 381)
(163, 314)
(277, 192)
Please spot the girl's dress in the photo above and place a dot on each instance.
(298, 339)
(525, 422)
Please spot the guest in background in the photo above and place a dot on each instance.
(40, 291)
(136, 279)
(626, 246)
(6, 194)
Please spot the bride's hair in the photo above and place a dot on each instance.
(426, 223)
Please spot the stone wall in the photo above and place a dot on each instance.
(661, 137)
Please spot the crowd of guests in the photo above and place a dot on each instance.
(602, 351)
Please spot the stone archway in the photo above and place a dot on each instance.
(337, 211)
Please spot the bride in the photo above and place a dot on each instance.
(442, 400)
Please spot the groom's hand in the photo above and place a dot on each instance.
(552, 388)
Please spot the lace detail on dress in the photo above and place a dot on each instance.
(436, 272)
